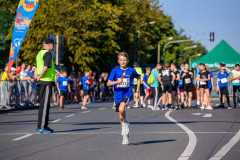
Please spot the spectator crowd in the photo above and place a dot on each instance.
(163, 87)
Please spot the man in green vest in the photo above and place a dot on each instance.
(139, 71)
(45, 77)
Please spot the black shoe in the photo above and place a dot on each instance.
(197, 106)
(182, 106)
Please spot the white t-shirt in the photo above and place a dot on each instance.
(23, 73)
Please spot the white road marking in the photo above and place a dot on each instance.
(101, 108)
(208, 115)
(22, 137)
(204, 114)
(86, 111)
(192, 138)
(223, 151)
(71, 115)
(55, 121)
(196, 114)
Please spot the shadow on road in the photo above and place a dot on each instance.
(79, 130)
(152, 142)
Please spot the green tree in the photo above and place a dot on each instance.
(95, 31)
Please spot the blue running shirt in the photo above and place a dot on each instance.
(84, 84)
(125, 88)
(145, 79)
(63, 83)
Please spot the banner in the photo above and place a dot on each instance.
(25, 12)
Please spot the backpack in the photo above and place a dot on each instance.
(150, 79)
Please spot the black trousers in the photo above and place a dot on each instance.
(45, 94)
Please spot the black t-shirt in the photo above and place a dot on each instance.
(166, 75)
(187, 79)
(101, 81)
(204, 75)
(176, 82)
(47, 58)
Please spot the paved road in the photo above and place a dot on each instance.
(95, 135)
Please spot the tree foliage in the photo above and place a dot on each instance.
(95, 31)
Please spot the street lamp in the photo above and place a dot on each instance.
(135, 39)
(190, 59)
(186, 48)
(168, 39)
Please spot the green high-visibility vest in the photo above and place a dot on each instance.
(139, 71)
(49, 76)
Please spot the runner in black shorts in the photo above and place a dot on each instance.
(166, 81)
(187, 76)
(175, 84)
(203, 78)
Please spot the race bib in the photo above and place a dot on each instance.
(65, 83)
(203, 82)
(224, 80)
(236, 81)
(188, 80)
(125, 83)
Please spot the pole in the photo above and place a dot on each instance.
(158, 60)
(179, 41)
(17, 61)
(57, 51)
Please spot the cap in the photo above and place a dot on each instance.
(135, 63)
(49, 40)
(13, 69)
(34, 67)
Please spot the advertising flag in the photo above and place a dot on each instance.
(25, 12)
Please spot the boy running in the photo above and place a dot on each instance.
(63, 87)
(123, 90)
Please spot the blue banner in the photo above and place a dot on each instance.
(25, 12)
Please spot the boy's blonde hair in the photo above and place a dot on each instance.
(148, 69)
(124, 54)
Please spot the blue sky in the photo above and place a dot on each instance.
(200, 17)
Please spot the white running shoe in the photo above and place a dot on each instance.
(209, 108)
(128, 107)
(125, 139)
(156, 109)
(135, 106)
(144, 105)
(202, 107)
(125, 129)
(84, 108)
(113, 107)
(150, 106)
